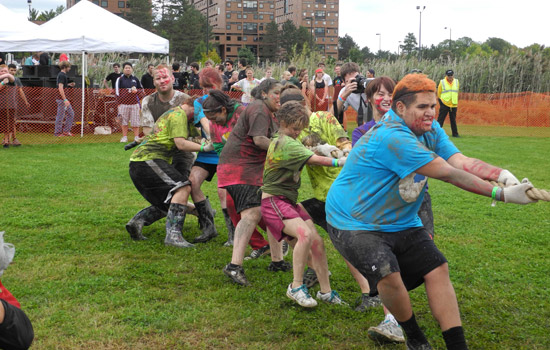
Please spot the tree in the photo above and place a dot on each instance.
(409, 44)
(287, 37)
(244, 52)
(47, 15)
(345, 44)
(33, 15)
(140, 13)
(271, 41)
(497, 44)
(355, 55)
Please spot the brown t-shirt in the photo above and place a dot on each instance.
(241, 161)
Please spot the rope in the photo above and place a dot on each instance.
(533, 193)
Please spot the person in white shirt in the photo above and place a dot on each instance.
(246, 85)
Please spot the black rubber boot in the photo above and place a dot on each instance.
(174, 224)
(144, 217)
(206, 220)
(230, 228)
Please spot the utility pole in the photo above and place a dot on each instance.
(420, 33)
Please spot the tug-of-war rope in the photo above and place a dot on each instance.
(533, 193)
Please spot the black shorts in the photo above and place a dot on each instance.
(245, 196)
(210, 168)
(316, 209)
(16, 331)
(157, 181)
(411, 252)
(182, 162)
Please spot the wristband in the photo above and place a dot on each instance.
(65, 100)
(341, 99)
(202, 148)
(335, 163)
(498, 195)
(2, 83)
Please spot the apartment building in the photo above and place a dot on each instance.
(118, 7)
(238, 23)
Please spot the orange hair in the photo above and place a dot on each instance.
(412, 84)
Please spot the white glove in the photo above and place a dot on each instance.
(325, 150)
(507, 178)
(342, 161)
(517, 193)
(207, 147)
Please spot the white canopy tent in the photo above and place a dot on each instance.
(85, 28)
(13, 23)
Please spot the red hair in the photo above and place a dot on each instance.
(209, 78)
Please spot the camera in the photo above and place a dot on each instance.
(362, 83)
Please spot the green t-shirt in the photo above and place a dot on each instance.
(326, 126)
(283, 164)
(160, 143)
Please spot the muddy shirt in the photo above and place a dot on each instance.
(152, 107)
(378, 189)
(241, 161)
(220, 133)
(326, 126)
(283, 166)
(160, 143)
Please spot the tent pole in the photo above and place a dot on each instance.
(84, 69)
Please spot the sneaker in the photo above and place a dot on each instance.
(365, 302)
(310, 278)
(285, 248)
(236, 274)
(301, 296)
(256, 253)
(424, 346)
(387, 332)
(124, 139)
(5, 145)
(331, 298)
(68, 134)
(16, 143)
(279, 266)
(59, 135)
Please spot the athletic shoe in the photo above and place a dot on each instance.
(236, 274)
(331, 298)
(285, 248)
(256, 253)
(5, 145)
(16, 143)
(387, 332)
(310, 277)
(59, 135)
(124, 139)
(301, 296)
(365, 302)
(279, 266)
(424, 346)
(68, 134)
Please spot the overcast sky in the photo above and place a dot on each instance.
(520, 23)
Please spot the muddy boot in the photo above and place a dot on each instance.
(174, 224)
(230, 229)
(206, 220)
(144, 217)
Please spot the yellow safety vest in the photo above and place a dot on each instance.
(449, 92)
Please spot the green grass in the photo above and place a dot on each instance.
(86, 285)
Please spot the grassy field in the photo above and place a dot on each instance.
(86, 285)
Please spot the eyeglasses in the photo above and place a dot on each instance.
(228, 64)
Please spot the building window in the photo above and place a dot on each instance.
(271, 17)
(217, 38)
(271, 6)
(127, 5)
(96, 2)
(239, 27)
(239, 5)
(121, 4)
(245, 38)
(227, 15)
(261, 6)
(261, 16)
(228, 49)
(228, 4)
(239, 38)
(250, 5)
(104, 3)
(228, 27)
(228, 38)
(239, 15)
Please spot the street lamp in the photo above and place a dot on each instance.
(311, 28)
(398, 46)
(420, 33)
(450, 40)
(379, 42)
(30, 3)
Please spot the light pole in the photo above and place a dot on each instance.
(311, 29)
(379, 42)
(450, 40)
(398, 46)
(207, 29)
(420, 33)
(30, 3)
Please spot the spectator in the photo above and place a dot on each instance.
(19, 88)
(228, 69)
(268, 74)
(7, 90)
(285, 78)
(2, 58)
(370, 73)
(64, 108)
(319, 89)
(44, 59)
(16, 330)
(180, 78)
(32, 60)
(293, 79)
(246, 85)
(127, 90)
(447, 92)
(225, 85)
(326, 77)
(112, 77)
(209, 64)
(349, 96)
(194, 77)
(147, 78)
(338, 84)
(242, 68)
(234, 78)
(63, 57)
(304, 84)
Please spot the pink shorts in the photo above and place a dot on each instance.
(278, 208)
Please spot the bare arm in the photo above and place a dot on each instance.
(475, 167)
(441, 170)
(320, 160)
(205, 124)
(8, 76)
(105, 84)
(187, 146)
(23, 97)
(62, 92)
(261, 141)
